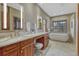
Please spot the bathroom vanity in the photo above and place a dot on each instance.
(23, 45)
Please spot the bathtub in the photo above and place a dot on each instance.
(59, 36)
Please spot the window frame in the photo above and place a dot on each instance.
(58, 27)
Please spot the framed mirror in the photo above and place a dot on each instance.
(39, 23)
(1, 15)
(11, 16)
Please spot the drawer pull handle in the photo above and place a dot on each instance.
(21, 51)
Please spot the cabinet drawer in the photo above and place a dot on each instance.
(10, 48)
(11, 53)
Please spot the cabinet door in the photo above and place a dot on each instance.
(0, 52)
(27, 47)
(27, 50)
(24, 51)
(13, 53)
(31, 50)
(46, 41)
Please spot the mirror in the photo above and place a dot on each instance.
(12, 16)
(1, 15)
(39, 23)
(17, 23)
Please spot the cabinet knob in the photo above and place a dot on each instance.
(21, 51)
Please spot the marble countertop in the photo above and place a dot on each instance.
(8, 41)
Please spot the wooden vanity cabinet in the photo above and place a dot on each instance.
(46, 40)
(24, 48)
(27, 48)
(0, 51)
(10, 50)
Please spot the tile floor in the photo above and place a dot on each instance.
(60, 49)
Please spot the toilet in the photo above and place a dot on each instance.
(38, 47)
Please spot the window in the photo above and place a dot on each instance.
(59, 26)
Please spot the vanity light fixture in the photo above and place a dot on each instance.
(5, 16)
(21, 16)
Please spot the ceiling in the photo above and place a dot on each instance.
(56, 9)
(15, 5)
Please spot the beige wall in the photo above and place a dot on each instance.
(31, 11)
(29, 14)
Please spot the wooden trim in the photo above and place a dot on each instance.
(78, 30)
